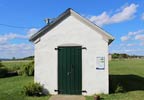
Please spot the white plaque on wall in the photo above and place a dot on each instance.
(100, 62)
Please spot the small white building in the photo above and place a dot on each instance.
(71, 56)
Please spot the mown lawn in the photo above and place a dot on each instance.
(127, 67)
(128, 73)
(133, 95)
(11, 88)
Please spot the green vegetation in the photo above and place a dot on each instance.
(133, 95)
(124, 56)
(127, 67)
(14, 68)
(11, 88)
(33, 89)
(27, 69)
(125, 76)
(15, 65)
(27, 58)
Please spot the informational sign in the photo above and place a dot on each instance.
(100, 62)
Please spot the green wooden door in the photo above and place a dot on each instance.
(70, 70)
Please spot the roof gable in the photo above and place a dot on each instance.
(63, 16)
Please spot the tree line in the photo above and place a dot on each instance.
(124, 55)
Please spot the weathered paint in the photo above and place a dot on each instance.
(72, 32)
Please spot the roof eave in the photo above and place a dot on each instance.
(110, 41)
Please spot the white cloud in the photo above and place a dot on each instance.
(134, 50)
(136, 32)
(134, 45)
(100, 19)
(139, 37)
(6, 37)
(126, 13)
(124, 38)
(131, 44)
(142, 44)
(142, 17)
(136, 35)
(129, 50)
(10, 36)
(32, 31)
(10, 49)
(16, 50)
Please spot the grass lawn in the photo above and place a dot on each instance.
(133, 95)
(127, 67)
(11, 88)
(129, 73)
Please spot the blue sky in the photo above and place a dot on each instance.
(124, 19)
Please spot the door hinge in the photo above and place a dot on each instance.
(84, 48)
(56, 48)
(56, 90)
(84, 91)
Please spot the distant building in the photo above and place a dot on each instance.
(109, 57)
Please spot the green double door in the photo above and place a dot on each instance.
(70, 70)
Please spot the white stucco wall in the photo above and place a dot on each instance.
(72, 31)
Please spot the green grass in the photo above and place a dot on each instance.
(125, 67)
(11, 88)
(129, 73)
(15, 65)
(133, 95)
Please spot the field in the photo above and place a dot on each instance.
(15, 65)
(127, 73)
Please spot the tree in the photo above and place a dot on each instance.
(13, 58)
(115, 55)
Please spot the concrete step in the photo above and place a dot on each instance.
(67, 97)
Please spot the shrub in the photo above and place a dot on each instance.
(27, 70)
(33, 89)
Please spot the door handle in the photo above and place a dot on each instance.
(68, 73)
(71, 70)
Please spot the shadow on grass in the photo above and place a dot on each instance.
(128, 82)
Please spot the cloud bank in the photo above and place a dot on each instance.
(10, 49)
(124, 14)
